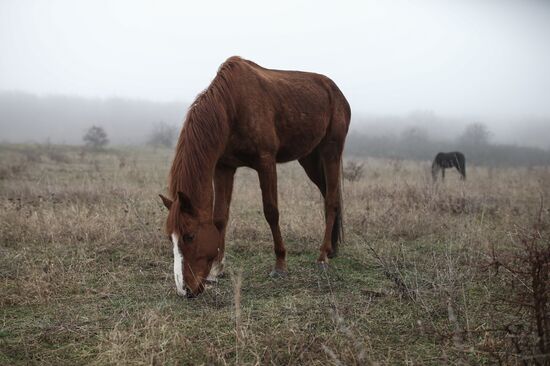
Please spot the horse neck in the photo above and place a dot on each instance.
(192, 172)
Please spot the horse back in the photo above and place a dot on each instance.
(286, 113)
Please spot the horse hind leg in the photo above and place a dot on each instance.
(331, 156)
(314, 169)
(462, 175)
(463, 170)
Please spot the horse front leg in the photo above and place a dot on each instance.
(223, 188)
(434, 172)
(267, 174)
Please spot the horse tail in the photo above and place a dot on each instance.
(340, 119)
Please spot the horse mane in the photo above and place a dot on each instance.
(202, 136)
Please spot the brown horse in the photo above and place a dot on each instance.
(254, 117)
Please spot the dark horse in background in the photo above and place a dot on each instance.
(254, 117)
(443, 161)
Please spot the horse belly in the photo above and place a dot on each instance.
(298, 141)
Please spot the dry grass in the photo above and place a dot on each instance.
(86, 271)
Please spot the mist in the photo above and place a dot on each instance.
(64, 119)
(125, 65)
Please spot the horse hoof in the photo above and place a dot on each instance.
(323, 266)
(278, 273)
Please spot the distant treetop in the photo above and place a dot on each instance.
(95, 138)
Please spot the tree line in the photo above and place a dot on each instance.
(415, 143)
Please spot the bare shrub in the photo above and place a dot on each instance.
(525, 269)
(58, 156)
(475, 135)
(397, 165)
(121, 161)
(12, 170)
(15, 168)
(33, 155)
(163, 135)
(353, 171)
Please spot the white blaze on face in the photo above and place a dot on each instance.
(178, 267)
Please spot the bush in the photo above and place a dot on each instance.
(526, 271)
(96, 138)
(163, 135)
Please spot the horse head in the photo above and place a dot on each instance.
(196, 244)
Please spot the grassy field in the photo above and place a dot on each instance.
(86, 270)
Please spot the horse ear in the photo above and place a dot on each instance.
(167, 201)
(185, 204)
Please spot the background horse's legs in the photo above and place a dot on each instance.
(460, 172)
(223, 187)
(442, 174)
(267, 173)
(435, 170)
(457, 164)
(463, 169)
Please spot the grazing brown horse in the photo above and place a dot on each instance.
(254, 117)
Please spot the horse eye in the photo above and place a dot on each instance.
(188, 238)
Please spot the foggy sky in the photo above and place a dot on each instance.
(465, 57)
